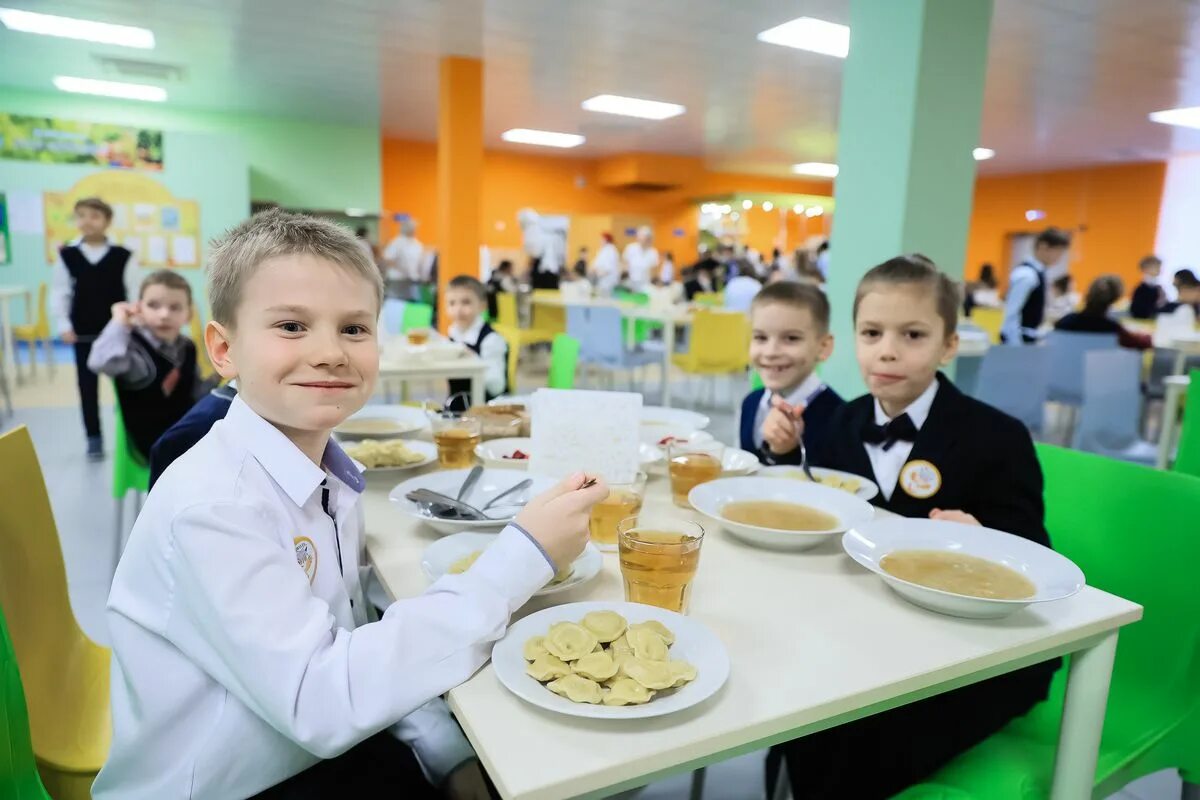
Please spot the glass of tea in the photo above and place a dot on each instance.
(417, 336)
(624, 500)
(456, 437)
(691, 463)
(658, 560)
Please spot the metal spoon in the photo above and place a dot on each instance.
(804, 463)
(525, 484)
(469, 483)
(445, 507)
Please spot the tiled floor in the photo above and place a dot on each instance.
(84, 510)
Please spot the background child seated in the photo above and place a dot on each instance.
(465, 301)
(790, 336)
(1148, 296)
(930, 448)
(153, 365)
(1094, 318)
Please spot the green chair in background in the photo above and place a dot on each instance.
(1187, 457)
(428, 293)
(1132, 530)
(564, 356)
(416, 315)
(755, 380)
(130, 473)
(19, 777)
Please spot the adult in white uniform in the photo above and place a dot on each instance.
(606, 267)
(640, 260)
(403, 261)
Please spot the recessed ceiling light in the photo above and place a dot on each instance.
(1186, 117)
(798, 208)
(127, 91)
(810, 33)
(632, 107)
(1034, 214)
(69, 28)
(767, 205)
(542, 138)
(814, 211)
(816, 168)
(983, 153)
(747, 205)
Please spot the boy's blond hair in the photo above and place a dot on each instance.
(169, 279)
(275, 233)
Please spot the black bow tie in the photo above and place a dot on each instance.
(899, 429)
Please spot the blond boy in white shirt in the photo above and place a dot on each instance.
(244, 663)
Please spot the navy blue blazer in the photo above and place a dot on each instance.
(191, 428)
(817, 417)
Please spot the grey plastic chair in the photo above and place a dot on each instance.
(603, 345)
(1108, 421)
(1014, 380)
(1067, 351)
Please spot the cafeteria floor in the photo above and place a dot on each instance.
(84, 511)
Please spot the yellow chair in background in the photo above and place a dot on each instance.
(990, 319)
(548, 320)
(715, 299)
(66, 674)
(508, 325)
(38, 331)
(719, 344)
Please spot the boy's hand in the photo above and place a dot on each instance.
(557, 519)
(783, 426)
(954, 516)
(125, 313)
(69, 337)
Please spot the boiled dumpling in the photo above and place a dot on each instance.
(577, 689)
(682, 671)
(626, 692)
(534, 648)
(606, 625)
(621, 645)
(569, 641)
(647, 644)
(651, 674)
(547, 668)
(656, 626)
(597, 666)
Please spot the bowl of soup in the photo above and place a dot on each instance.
(382, 422)
(962, 570)
(783, 515)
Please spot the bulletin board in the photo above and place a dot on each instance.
(161, 229)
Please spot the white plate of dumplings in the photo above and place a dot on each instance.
(691, 642)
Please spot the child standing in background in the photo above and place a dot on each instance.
(92, 273)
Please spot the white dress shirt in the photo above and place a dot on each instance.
(798, 396)
(607, 269)
(241, 649)
(740, 293)
(886, 464)
(62, 285)
(667, 273)
(639, 263)
(1021, 284)
(493, 350)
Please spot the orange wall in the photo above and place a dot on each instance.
(1112, 212)
(554, 185)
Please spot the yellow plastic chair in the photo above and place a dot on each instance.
(203, 363)
(38, 331)
(719, 344)
(548, 321)
(512, 336)
(66, 674)
(990, 319)
(714, 299)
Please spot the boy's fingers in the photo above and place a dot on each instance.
(566, 485)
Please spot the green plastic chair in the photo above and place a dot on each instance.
(130, 473)
(416, 315)
(641, 327)
(19, 777)
(755, 380)
(428, 294)
(564, 356)
(1132, 530)
(1187, 458)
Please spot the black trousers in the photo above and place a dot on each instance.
(89, 389)
(879, 756)
(375, 767)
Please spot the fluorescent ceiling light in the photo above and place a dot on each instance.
(814, 211)
(68, 28)
(768, 205)
(810, 33)
(983, 153)
(128, 91)
(632, 107)
(1185, 117)
(542, 138)
(798, 208)
(818, 169)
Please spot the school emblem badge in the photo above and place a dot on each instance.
(306, 556)
(920, 479)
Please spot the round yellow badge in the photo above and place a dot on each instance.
(920, 479)
(306, 556)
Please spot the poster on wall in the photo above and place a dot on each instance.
(59, 141)
(161, 229)
(5, 252)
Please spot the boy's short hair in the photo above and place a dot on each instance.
(1104, 291)
(1053, 237)
(1149, 262)
(275, 233)
(796, 295)
(915, 268)
(96, 204)
(169, 279)
(470, 284)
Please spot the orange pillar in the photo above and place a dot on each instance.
(459, 169)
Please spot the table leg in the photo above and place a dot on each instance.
(1180, 362)
(10, 363)
(668, 349)
(1166, 435)
(477, 398)
(1082, 720)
